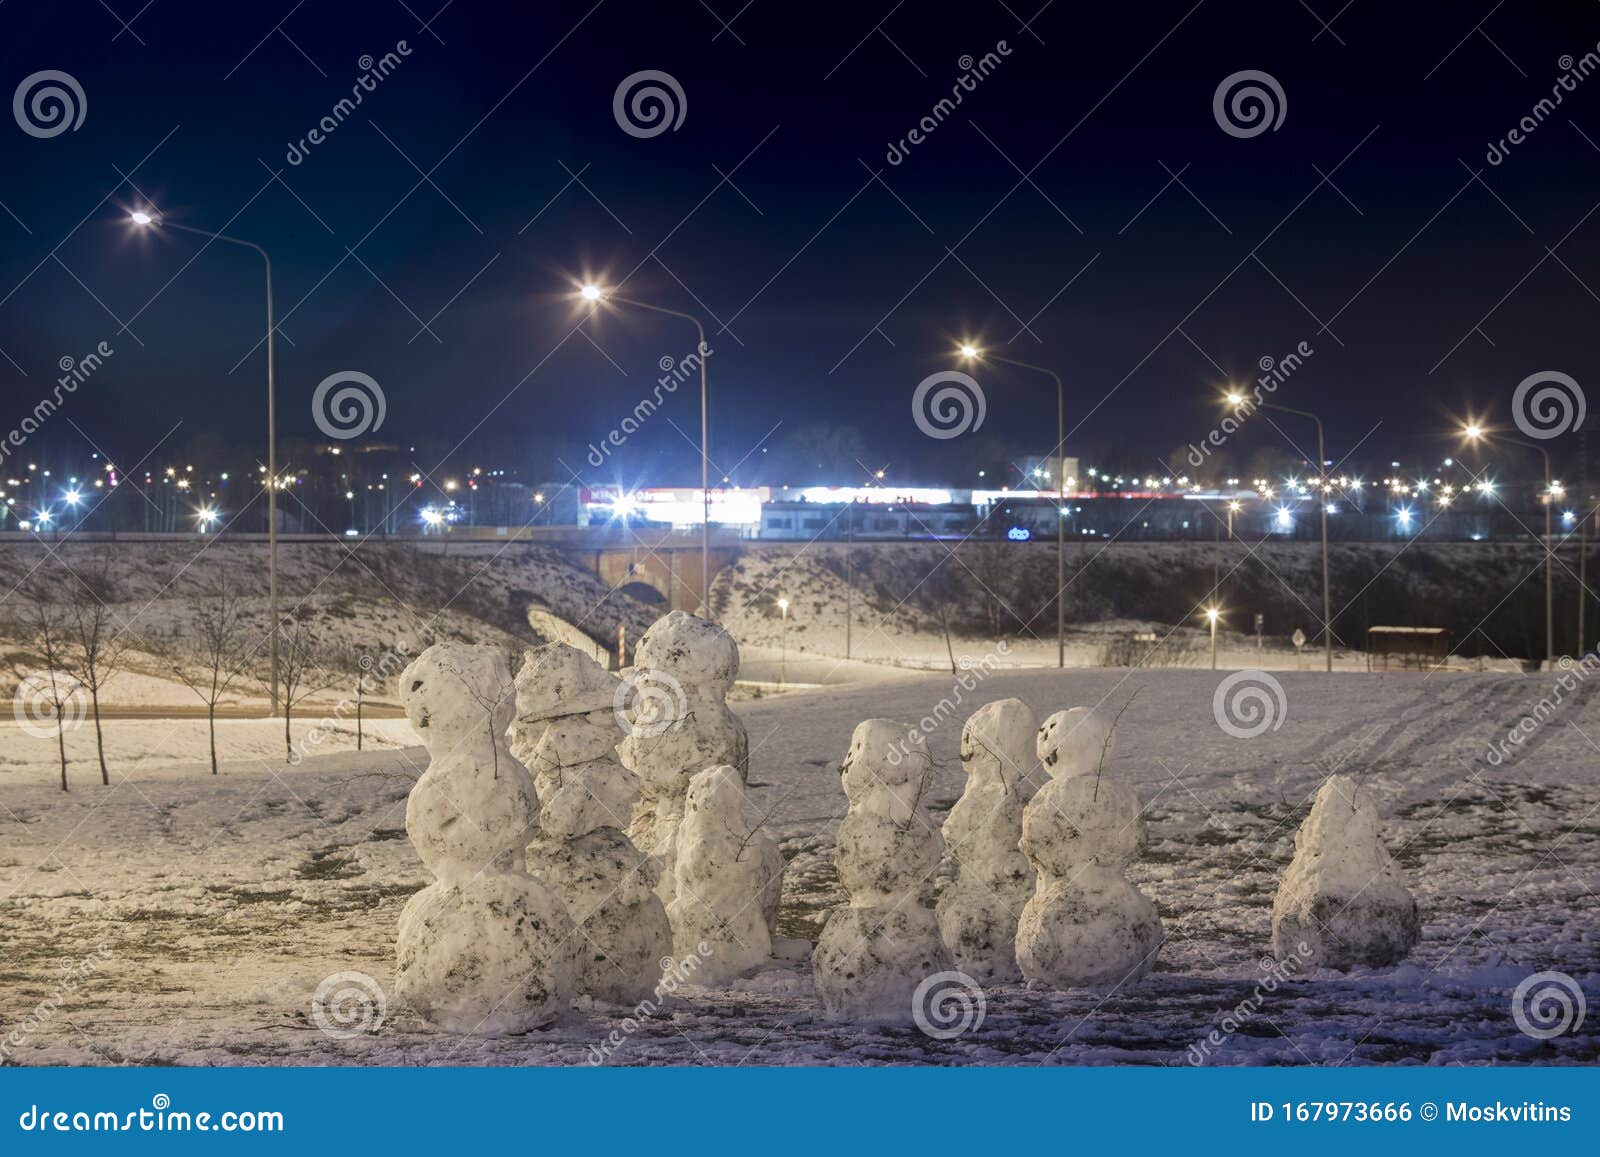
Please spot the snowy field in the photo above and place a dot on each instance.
(177, 918)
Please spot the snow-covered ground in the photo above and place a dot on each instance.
(195, 916)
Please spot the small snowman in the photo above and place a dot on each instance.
(1342, 901)
(875, 952)
(978, 912)
(487, 948)
(566, 732)
(1086, 925)
(678, 724)
(725, 865)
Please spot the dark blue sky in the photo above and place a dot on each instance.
(839, 291)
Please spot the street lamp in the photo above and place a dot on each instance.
(1212, 615)
(972, 353)
(783, 654)
(595, 294)
(1237, 399)
(1233, 508)
(144, 219)
(1476, 433)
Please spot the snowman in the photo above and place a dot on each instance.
(978, 912)
(875, 952)
(1342, 901)
(725, 866)
(1086, 926)
(677, 723)
(487, 948)
(566, 731)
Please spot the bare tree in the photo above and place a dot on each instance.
(46, 625)
(221, 639)
(301, 674)
(98, 646)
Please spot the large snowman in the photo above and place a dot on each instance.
(875, 952)
(978, 912)
(487, 948)
(566, 730)
(1342, 901)
(1086, 926)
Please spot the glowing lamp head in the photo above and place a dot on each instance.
(141, 218)
(591, 293)
(1212, 615)
(783, 605)
(1235, 398)
(969, 351)
(1473, 431)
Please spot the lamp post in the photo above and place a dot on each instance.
(1212, 615)
(971, 353)
(1473, 432)
(145, 219)
(1237, 399)
(783, 653)
(594, 293)
(1233, 508)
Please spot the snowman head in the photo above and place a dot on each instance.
(997, 743)
(692, 649)
(1344, 815)
(457, 691)
(885, 758)
(1077, 741)
(716, 791)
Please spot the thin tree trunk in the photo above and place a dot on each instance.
(211, 722)
(99, 738)
(944, 622)
(288, 743)
(61, 746)
(358, 712)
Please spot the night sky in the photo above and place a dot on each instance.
(827, 294)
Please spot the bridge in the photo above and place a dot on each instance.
(652, 564)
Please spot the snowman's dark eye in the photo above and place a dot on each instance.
(416, 685)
